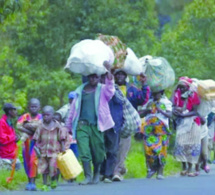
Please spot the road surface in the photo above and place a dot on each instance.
(204, 184)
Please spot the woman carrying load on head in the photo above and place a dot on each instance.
(188, 125)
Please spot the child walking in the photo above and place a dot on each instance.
(50, 139)
(27, 124)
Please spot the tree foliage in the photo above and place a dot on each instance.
(36, 38)
(190, 46)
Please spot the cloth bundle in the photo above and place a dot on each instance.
(125, 58)
(160, 74)
(87, 57)
(206, 89)
(202, 88)
(118, 48)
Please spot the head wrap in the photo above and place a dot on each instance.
(185, 81)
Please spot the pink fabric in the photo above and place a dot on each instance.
(105, 120)
(187, 81)
(193, 100)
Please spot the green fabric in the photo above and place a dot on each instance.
(78, 103)
(90, 144)
(88, 109)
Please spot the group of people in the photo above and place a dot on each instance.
(91, 125)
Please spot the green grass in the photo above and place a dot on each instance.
(19, 179)
(135, 164)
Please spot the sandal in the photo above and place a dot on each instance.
(191, 175)
(160, 177)
(197, 173)
(207, 169)
(150, 174)
(183, 173)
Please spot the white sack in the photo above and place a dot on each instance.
(87, 57)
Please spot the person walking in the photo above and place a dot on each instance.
(188, 125)
(89, 117)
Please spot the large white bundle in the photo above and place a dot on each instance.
(132, 64)
(87, 57)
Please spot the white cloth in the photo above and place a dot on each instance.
(168, 107)
(204, 130)
(211, 130)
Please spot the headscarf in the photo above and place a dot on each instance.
(185, 81)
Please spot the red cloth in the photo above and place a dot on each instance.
(193, 100)
(7, 139)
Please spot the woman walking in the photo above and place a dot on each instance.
(188, 125)
(156, 132)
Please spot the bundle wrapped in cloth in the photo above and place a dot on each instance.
(206, 89)
(87, 57)
(125, 58)
(118, 48)
(160, 74)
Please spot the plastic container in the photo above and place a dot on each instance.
(68, 165)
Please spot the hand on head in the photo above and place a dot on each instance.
(106, 64)
(142, 78)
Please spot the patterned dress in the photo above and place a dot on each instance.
(188, 130)
(156, 134)
(29, 155)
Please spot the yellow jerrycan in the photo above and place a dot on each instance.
(68, 165)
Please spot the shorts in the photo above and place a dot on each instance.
(48, 165)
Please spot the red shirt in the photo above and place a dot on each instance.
(7, 139)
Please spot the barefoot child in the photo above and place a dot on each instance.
(49, 138)
(27, 124)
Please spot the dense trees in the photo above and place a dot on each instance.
(36, 37)
(190, 45)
